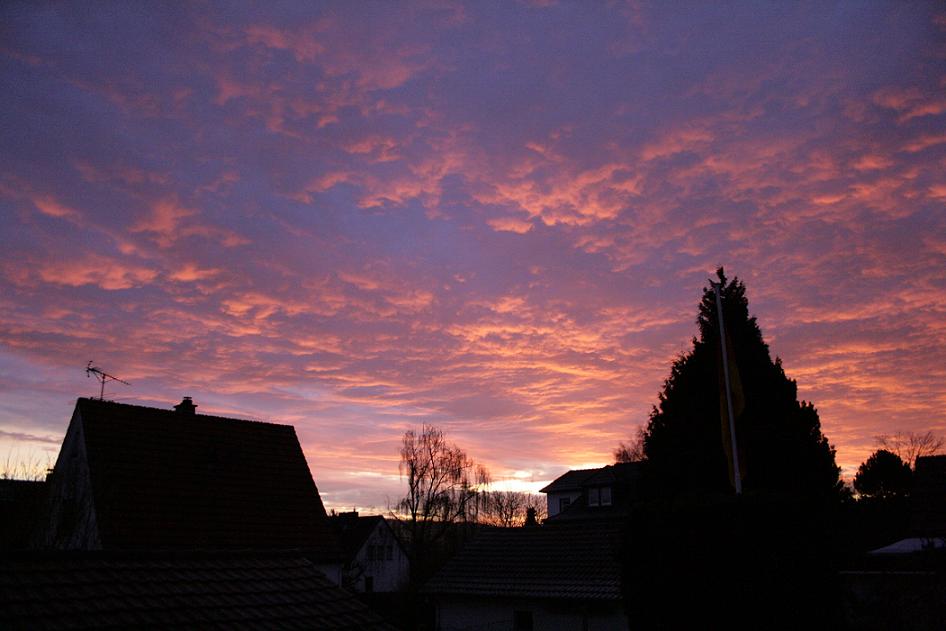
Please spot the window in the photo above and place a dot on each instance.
(605, 495)
(371, 552)
(389, 552)
(594, 497)
(522, 620)
(563, 503)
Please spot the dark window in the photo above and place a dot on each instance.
(370, 552)
(605, 495)
(389, 553)
(593, 497)
(563, 503)
(522, 620)
(369, 584)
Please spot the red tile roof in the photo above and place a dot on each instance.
(169, 480)
(174, 590)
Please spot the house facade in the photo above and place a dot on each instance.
(375, 560)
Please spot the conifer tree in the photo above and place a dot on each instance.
(779, 438)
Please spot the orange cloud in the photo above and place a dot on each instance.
(104, 272)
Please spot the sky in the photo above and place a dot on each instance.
(493, 217)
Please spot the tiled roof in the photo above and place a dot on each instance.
(209, 591)
(166, 480)
(569, 481)
(619, 473)
(353, 530)
(563, 561)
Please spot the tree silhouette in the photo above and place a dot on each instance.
(443, 490)
(910, 445)
(883, 475)
(779, 438)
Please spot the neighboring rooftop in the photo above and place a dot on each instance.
(577, 479)
(571, 480)
(578, 561)
(207, 591)
(20, 502)
(163, 479)
(352, 530)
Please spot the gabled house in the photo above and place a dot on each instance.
(138, 478)
(593, 493)
(374, 559)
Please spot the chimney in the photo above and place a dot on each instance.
(186, 407)
(530, 518)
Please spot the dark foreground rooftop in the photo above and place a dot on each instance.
(180, 590)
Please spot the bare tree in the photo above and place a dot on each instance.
(909, 446)
(508, 508)
(632, 451)
(443, 489)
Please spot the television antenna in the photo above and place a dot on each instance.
(102, 378)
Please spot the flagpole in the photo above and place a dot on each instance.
(737, 476)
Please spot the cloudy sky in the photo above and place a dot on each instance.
(496, 217)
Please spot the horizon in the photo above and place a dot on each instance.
(497, 220)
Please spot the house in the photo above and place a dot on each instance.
(374, 559)
(563, 575)
(20, 501)
(133, 478)
(174, 589)
(928, 497)
(593, 493)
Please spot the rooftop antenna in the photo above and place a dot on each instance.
(102, 377)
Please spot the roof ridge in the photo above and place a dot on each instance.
(172, 411)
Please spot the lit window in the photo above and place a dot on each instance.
(594, 499)
(606, 496)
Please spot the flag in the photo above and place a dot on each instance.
(726, 364)
(739, 406)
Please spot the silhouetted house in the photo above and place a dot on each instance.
(562, 575)
(137, 478)
(928, 497)
(20, 503)
(593, 493)
(903, 585)
(374, 559)
(172, 590)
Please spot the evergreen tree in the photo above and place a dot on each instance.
(779, 438)
(883, 475)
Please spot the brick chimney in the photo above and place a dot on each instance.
(186, 407)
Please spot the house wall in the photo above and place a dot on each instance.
(68, 521)
(552, 500)
(469, 613)
(332, 571)
(388, 575)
